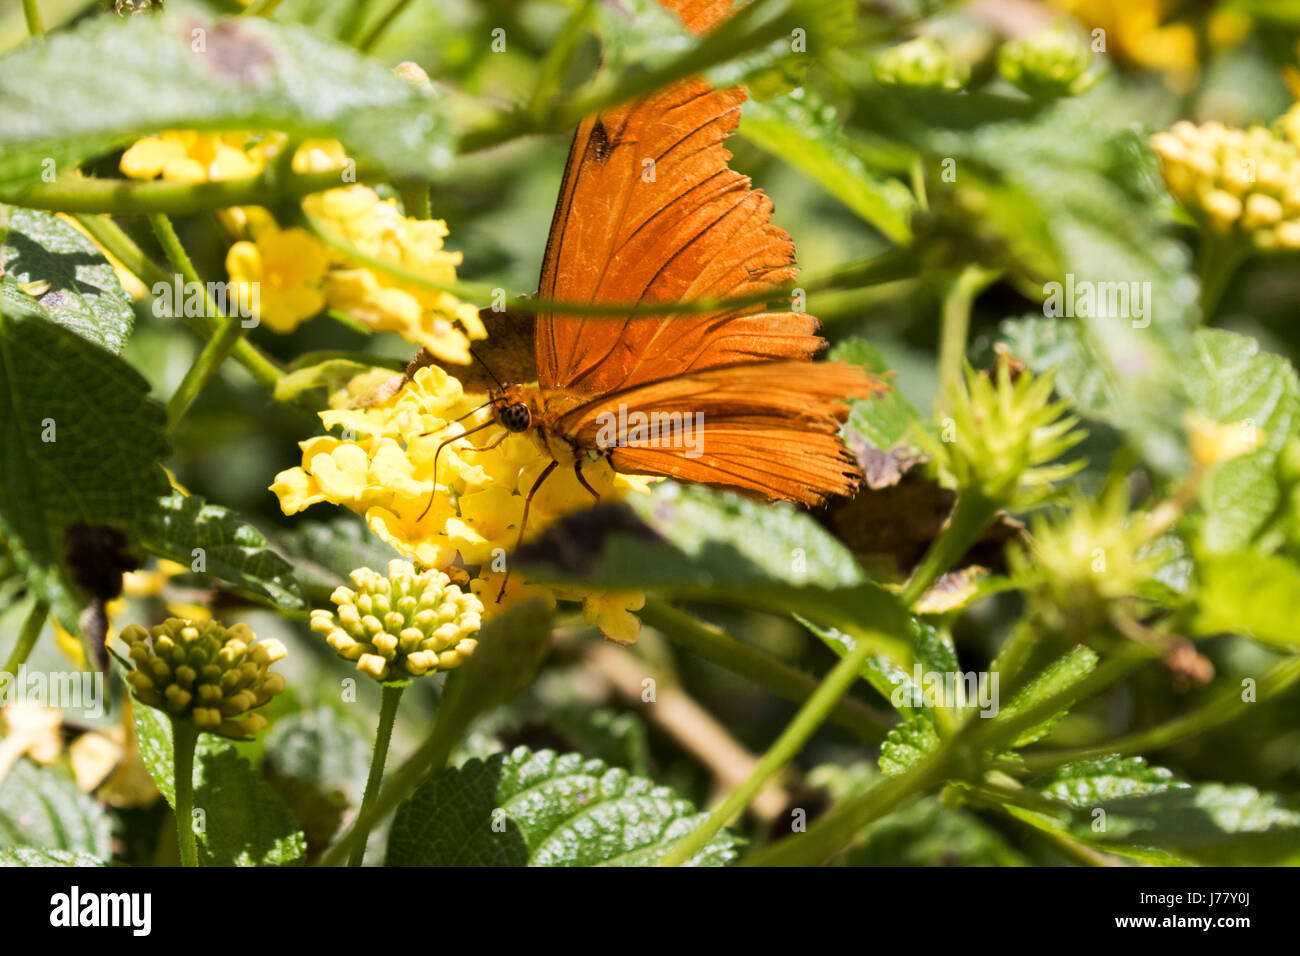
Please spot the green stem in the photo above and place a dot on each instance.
(371, 38)
(971, 517)
(230, 329)
(260, 8)
(32, 627)
(122, 197)
(33, 14)
(791, 741)
(955, 329)
(1220, 258)
(117, 243)
(834, 830)
(431, 756)
(1015, 651)
(1225, 707)
(718, 647)
(414, 194)
(185, 736)
(389, 699)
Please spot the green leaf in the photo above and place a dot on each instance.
(689, 535)
(1146, 813)
(1251, 594)
(810, 136)
(83, 295)
(41, 807)
(125, 78)
(549, 810)
(232, 549)
(1232, 381)
(884, 420)
(323, 554)
(926, 833)
(1088, 782)
(317, 762)
(906, 744)
(1056, 677)
(27, 856)
(101, 467)
(245, 823)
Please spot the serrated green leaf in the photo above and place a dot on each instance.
(27, 856)
(926, 833)
(549, 810)
(101, 467)
(41, 807)
(1251, 594)
(232, 549)
(245, 823)
(1234, 381)
(124, 78)
(884, 420)
(906, 744)
(810, 137)
(1125, 806)
(1088, 782)
(324, 553)
(1056, 677)
(83, 293)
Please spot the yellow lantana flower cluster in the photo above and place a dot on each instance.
(403, 625)
(1234, 180)
(193, 157)
(287, 276)
(383, 469)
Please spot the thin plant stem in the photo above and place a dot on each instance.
(955, 328)
(375, 32)
(185, 736)
(971, 516)
(32, 626)
(718, 647)
(32, 13)
(260, 8)
(117, 243)
(428, 759)
(390, 697)
(218, 348)
(1225, 707)
(791, 741)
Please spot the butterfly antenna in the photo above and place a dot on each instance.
(523, 522)
(455, 420)
(438, 451)
(491, 374)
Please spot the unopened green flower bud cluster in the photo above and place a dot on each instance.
(1048, 64)
(1235, 181)
(403, 625)
(1002, 436)
(920, 64)
(200, 670)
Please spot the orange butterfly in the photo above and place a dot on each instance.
(743, 405)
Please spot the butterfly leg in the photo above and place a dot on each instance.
(582, 479)
(454, 438)
(523, 522)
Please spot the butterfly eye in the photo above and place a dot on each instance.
(516, 417)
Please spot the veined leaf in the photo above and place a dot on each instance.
(122, 80)
(540, 809)
(87, 453)
(30, 856)
(244, 823)
(1056, 677)
(79, 289)
(41, 808)
(810, 137)
(231, 549)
